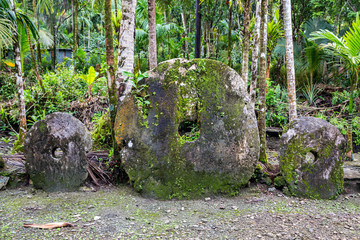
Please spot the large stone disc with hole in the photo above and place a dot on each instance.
(191, 132)
(55, 150)
(312, 157)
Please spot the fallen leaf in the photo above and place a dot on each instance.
(49, 225)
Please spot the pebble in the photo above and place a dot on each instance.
(97, 218)
(207, 199)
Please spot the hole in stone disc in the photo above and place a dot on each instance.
(311, 157)
(189, 130)
(57, 153)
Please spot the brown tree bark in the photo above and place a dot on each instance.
(75, 31)
(152, 34)
(262, 82)
(33, 60)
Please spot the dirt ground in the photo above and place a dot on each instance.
(121, 213)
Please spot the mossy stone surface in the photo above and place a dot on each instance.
(162, 163)
(55, 151)
(311, 158)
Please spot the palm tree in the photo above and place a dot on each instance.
(10, 15)
(348, 49)
(246, 41)
(126, 47)
(255, 54)
(262, 82)
(289, 47)
(152, 34)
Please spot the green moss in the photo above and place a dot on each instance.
(171, 175)
(304, 185)
(279, 182)
(101, 134)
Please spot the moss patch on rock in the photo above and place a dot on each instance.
(311, 159)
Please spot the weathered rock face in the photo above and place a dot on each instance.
(312, 157)
(55, 151)
(198, 135)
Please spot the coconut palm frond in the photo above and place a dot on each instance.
(46, 39)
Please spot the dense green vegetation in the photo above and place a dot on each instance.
(326, 39)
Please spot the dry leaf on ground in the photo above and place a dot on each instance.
(49, 225)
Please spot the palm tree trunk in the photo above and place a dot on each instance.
(255, 54)
(185, 33)
(119, 173)
(54, 47)
(89, 34)
(229, 35)
(246, 43)
(126, 47)
(262, 82)
(152, 34)
(290, 60)
(349, 147)
(33, 60)
(75, 31)
(198, 30)
(36, 17)
(19, 82)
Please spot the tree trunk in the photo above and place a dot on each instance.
(290, 60)
(54, 47)
(255, 54)
(152, 34)
(246, 43)
(36, 17)
(185, 33)
(229, 34)
(89, 34)
(126, 47)
(119, 173)
(75, 31)
(262, 82)
(33, 60)
(198, 30)
(19, 82)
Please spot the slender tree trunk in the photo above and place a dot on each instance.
(152, 34)
(126, 47)
(198, 30)
(229, 34)
(290, 60)
(119, 173)
(36, 17)
(33, 60)
(262, 82)
(246, 42)
(255, 54)
(19, 82)
(89, 34)
(75, 30)
(185, 33)
(54, 47)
